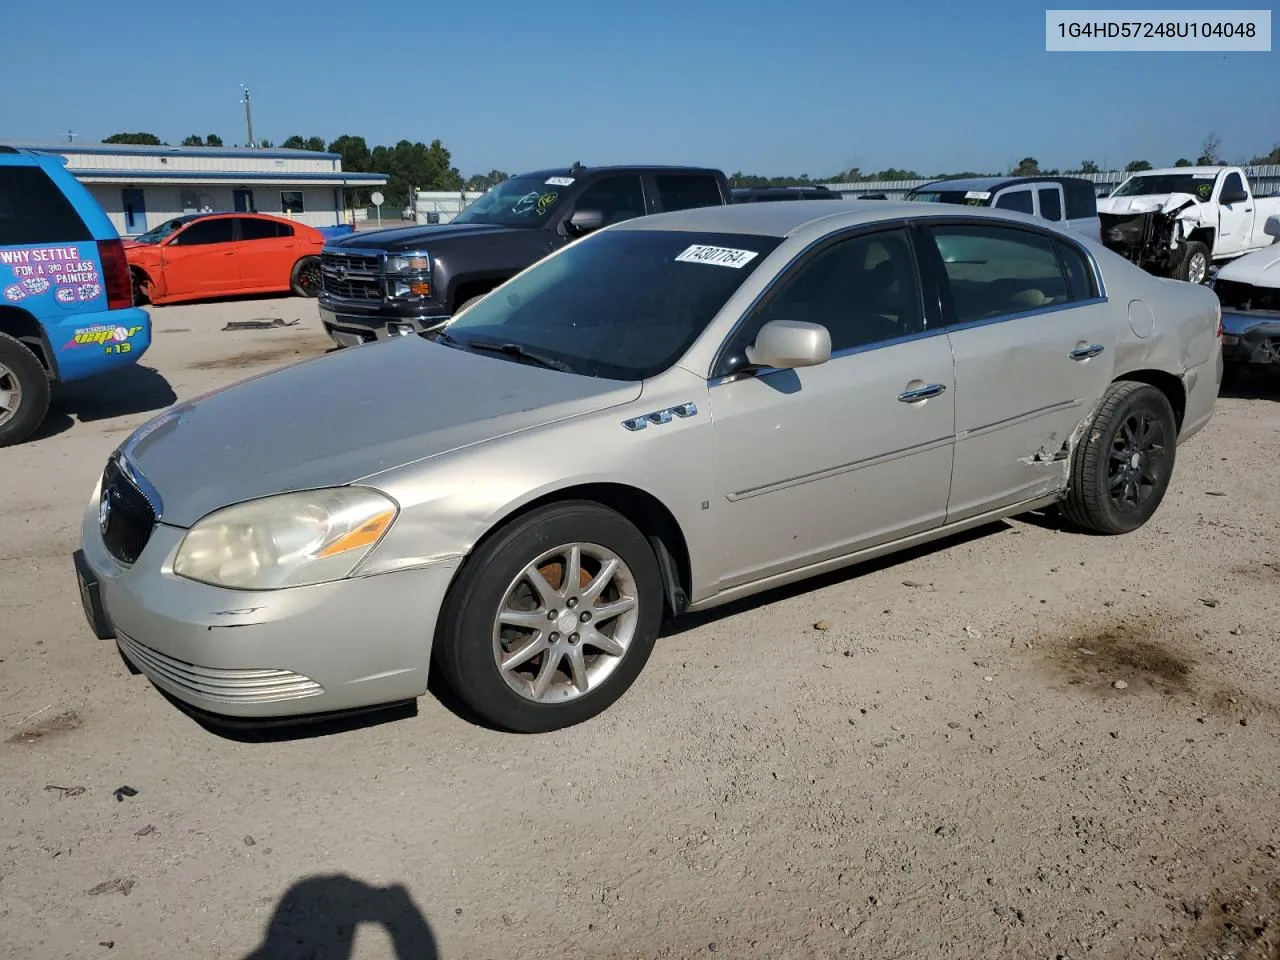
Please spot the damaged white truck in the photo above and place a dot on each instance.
(1180, 221)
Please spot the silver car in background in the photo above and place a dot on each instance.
(664, 416)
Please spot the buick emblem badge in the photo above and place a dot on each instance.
(104, 511)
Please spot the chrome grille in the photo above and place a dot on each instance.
(214, 683)
(351, 276)
(127, 518)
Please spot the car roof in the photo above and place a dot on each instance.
(618, 168)
(786, 219)
(1165, 171)
(991, 183)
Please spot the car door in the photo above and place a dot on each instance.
(1049, 202)
(266, 251)
(1034, 339)
(201, 259)
(1235, 216)
(819, 462)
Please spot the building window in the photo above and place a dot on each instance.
(291, 201)
(193, 202)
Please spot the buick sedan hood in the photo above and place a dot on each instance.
(1261, 269)
(345, 416)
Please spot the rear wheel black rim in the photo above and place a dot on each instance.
(1139, 455)
(309, 277)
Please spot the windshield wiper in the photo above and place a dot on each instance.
(441, 336)
(519, 352)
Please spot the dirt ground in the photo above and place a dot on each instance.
(1027, 742)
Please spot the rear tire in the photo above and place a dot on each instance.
(1121, 468)
(1194, 267)
(306, 280)
(533, 658)
(24, 392)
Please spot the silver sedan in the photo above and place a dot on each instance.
(664, 416)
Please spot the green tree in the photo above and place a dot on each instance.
(486, 181)
(193, 141)
(213, 140)
(1268, 158)
(145, 139)
(1088, 166)
(1135, 166)
(1183, 162)
(315, 144)
(1209, 151)
(1027, 167)
(354, 152)
(265, 144)
(294, 143)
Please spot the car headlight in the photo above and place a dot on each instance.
(412, 263)
(290, 540)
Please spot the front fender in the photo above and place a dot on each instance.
(449, 503)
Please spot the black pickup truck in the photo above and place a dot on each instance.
(386, 283)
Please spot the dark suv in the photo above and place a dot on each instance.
(392, 282)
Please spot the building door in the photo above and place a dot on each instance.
(243, 201)
(135, 212)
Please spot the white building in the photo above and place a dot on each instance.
(140, 186)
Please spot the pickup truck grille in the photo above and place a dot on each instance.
(351, 276)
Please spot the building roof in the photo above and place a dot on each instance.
(145, 150)
(335, 177)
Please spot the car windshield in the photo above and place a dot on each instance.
(622, 305)
(1196, 184)
(156, 234)
(518, 202)
(981, 198)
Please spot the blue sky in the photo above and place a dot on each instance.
(802, 87)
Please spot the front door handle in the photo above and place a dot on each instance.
(1084, 353)
(922, 393)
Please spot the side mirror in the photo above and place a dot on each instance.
(1233, 196)
(783, 344)
(1272, 227)
(585, 221)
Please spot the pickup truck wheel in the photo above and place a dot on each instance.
(306, 280)
(552, 618)
(1121, 468)
(24, 392)
(1194, 267)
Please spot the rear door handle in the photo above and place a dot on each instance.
(1084, 353)
(922, 393)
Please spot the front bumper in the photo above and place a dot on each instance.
(332, 647)
(349, 325)
(1251, 337)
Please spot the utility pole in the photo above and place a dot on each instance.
(248, 114)
(70, 135)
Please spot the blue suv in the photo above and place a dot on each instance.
(66, 298)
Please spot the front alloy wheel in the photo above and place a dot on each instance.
(552, 617)
(566, 622)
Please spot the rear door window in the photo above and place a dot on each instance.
(685, 191)
(1050, 203)
(34, 210)
(995, 271)
(253, 229)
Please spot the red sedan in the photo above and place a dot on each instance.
(221, 254)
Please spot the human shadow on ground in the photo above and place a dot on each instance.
(317, 917)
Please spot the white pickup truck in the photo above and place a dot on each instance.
(1178, 221)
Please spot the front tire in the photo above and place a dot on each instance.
(24, 392)
(551, 619)
(306, 279)
(1194, 267)
(1121, 468)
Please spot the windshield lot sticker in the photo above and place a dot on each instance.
(525, 203)
(111, 339)
(64, 270)
(1204, 176)
(559, 181)
(719, 256)
(977, 195)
